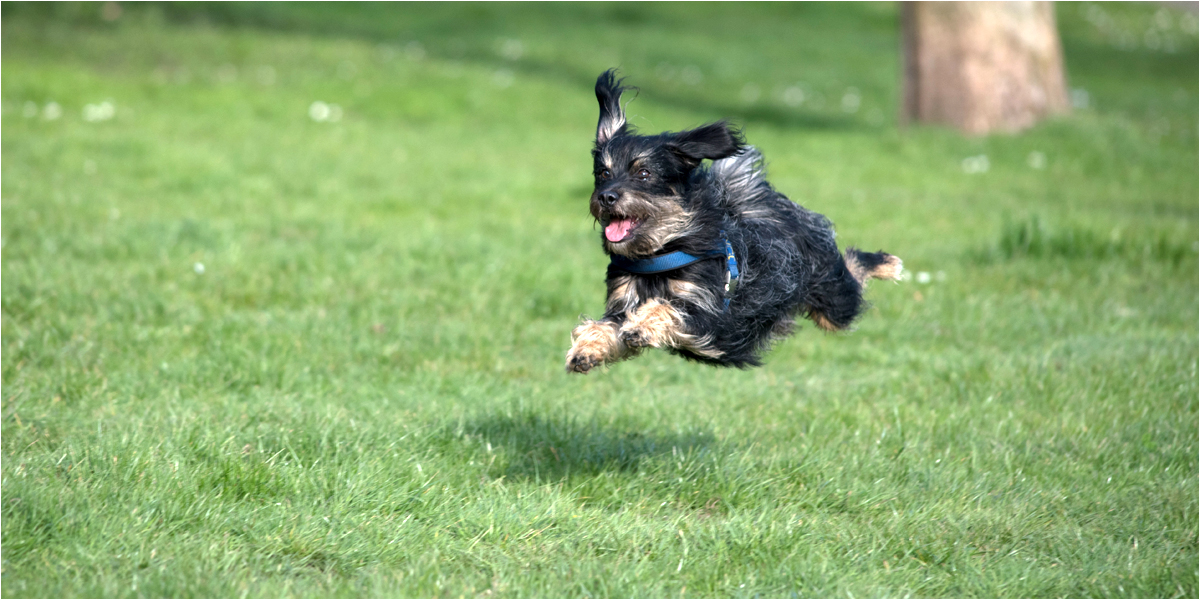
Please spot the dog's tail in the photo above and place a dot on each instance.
(864, 266)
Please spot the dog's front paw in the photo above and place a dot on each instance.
(580, 360)
(635, 337)
(591, 344)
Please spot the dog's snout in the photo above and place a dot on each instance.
(608, 199)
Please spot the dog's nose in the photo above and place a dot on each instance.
(608, 199)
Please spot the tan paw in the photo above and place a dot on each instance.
(636, 337)
(581, 360)
(593, 343)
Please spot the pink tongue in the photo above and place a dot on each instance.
(617, 230)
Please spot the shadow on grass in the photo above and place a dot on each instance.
(547, 448)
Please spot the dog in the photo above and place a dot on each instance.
(708, 262)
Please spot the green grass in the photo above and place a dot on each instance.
(361, 391)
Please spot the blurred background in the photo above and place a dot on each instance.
(271, 264)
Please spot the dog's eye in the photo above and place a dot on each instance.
(643, 174)
(605, 174)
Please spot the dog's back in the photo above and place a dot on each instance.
(827, 286)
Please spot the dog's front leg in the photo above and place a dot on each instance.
(658, 323)
(594, 343)
(655, 323)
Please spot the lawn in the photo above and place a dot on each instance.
(287, 291)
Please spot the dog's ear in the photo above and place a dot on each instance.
(713, 141)
(612, 114)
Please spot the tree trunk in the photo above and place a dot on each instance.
(981, 66)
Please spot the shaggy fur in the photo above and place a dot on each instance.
(653, 195)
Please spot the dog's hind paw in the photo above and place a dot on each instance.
(635, 338)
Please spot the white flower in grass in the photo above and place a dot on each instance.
(973, 165)
(793, 96)
(923, 277)
(318, 111)
(52, 111)
(691, 75)
(1163, 20)
(1188, 24)
(322, 112)
(1036, 160)
(1080, 98)
(198, 268)
(851, 100)
(94, 113)
(512, 49)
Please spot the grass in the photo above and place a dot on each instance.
(246, 353)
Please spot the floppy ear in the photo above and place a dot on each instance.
(612, 115)
(713, 141)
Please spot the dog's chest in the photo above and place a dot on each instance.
(703, 288)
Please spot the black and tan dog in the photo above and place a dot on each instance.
(708, 262)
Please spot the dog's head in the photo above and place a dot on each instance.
(641, 181)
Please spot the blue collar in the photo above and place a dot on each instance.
(679, 259)
(661, 263)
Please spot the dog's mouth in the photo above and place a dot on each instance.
(619, 229)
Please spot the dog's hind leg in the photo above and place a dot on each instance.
(834, 305)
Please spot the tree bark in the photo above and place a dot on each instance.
(981, 66)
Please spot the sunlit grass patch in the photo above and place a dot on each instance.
(1033, 238)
